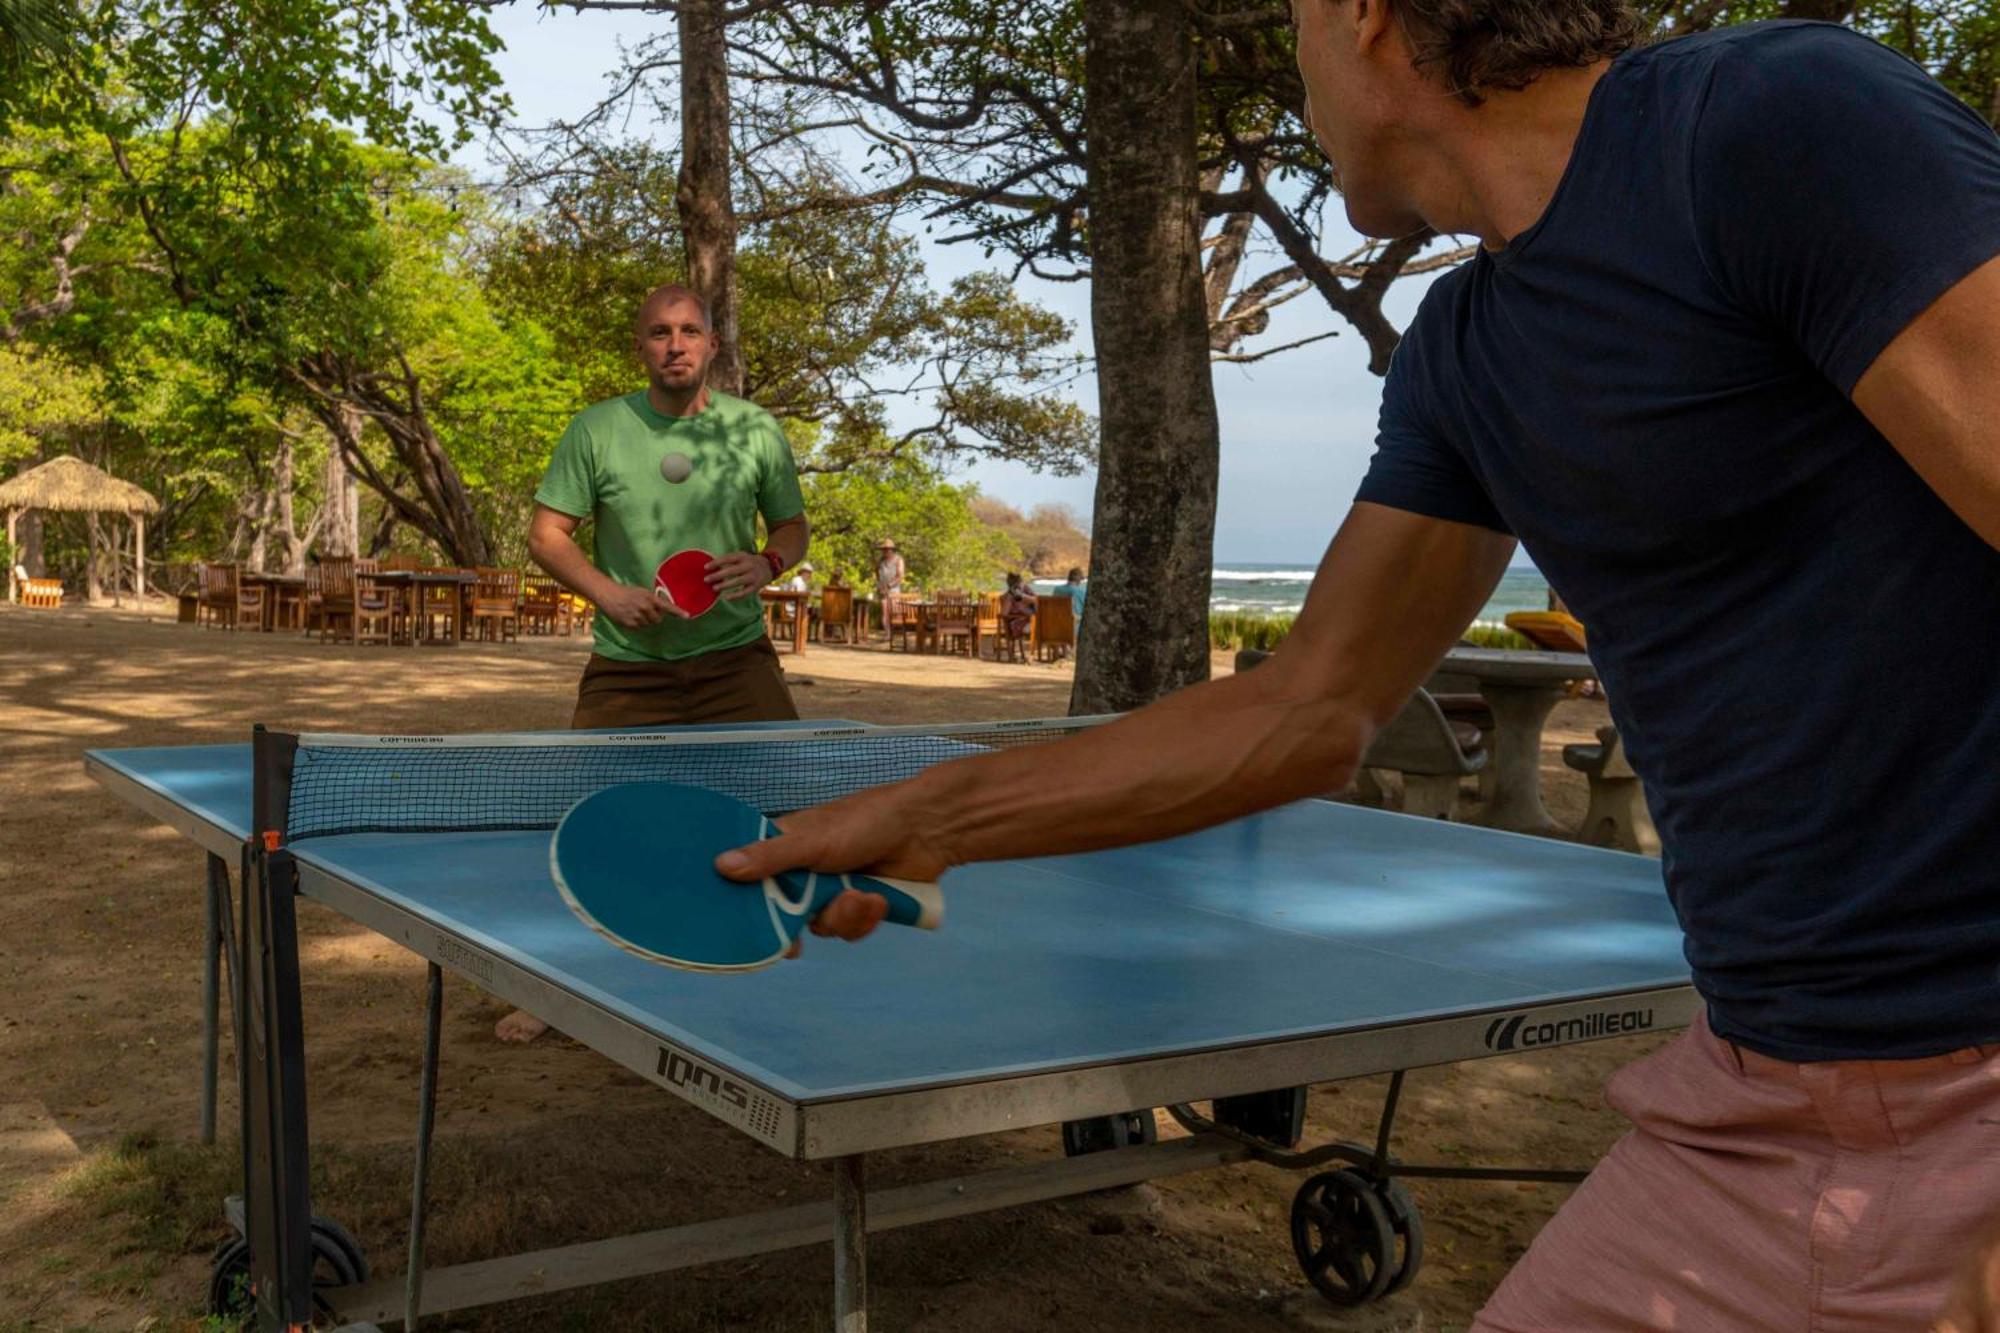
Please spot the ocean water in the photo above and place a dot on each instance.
(1280, 589)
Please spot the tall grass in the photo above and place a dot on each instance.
(1233, 630)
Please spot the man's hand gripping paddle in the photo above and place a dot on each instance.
(682, 579)
(637, 863)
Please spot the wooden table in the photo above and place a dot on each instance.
(1521, 688)
(775, 600)
(279, 590)
(414, 583)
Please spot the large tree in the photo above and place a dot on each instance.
(1154, 519)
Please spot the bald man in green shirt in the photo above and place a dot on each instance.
(673, 467)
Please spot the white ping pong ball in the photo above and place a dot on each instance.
(676, 468)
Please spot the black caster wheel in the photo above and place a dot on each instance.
(1108, 1131)
(1409, 1225)
(337, 1261)
(1344, 1238)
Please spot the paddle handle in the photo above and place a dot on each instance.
(912, 902)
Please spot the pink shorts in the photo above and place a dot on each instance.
(1756, 1194)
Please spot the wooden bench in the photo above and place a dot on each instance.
(1617, 816)
(39, 594)
(1428, 750)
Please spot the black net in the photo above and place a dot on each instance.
(409, 784)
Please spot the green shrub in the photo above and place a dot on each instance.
(1234, 630)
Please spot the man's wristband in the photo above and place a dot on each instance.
(777, 562)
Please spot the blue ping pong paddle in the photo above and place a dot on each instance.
(636, 863)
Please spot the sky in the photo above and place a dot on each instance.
(1297, 430)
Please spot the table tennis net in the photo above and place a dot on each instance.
(416, 784)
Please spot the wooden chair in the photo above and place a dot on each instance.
(38, 594)
(544, 609)
(496, 604)
(379, 615)
(900, 618)
(956, 623)
(214, 596)
(243, 603)
(399, 562)
(836, 614)
(337, 607)
(1054, 632)
(1007, 647)
(312, 601)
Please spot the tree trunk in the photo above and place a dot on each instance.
(340, 506)
(340, 395)
(93, 580)
(1153, 530)
(708, 217)
(284, 507)
(28, 544)
(256, 519)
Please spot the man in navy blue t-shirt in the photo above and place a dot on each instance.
(1728, 364)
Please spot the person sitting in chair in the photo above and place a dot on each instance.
(1017, 611)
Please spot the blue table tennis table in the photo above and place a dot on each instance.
(1234, 967)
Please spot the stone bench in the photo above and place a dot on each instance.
(1617, 816)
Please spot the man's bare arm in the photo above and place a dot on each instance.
(552, 542)
(1934, 394)
(790, 539)
(741, 573)
(1393, 593)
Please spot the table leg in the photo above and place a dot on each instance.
(1519, 712)
(850, 1246)
(211, 990)
(413, 1287)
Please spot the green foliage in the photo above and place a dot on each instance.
(1233, 630)
(834, 304)
(932, 522)
(44, 399)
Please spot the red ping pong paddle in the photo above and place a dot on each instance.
(683, 580)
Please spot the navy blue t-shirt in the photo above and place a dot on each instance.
(1799, 640)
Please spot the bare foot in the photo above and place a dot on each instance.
(519, 1027)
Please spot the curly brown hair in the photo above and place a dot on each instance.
(1476, 46)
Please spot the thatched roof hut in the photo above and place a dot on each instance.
(74, 486)
(70, 485)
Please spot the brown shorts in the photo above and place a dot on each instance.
(735, 685)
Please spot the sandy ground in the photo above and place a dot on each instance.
(109, 1206)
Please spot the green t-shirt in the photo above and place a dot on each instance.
(607, 467)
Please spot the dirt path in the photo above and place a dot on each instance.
(108, 1208)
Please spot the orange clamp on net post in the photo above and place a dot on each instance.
(271, 840)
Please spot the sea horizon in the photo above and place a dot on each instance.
(1278, 588)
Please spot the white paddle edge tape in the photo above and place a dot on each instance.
(583, 914)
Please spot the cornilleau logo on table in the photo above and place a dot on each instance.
(1521, 1032)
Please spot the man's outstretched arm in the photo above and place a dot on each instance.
(1393, 593)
